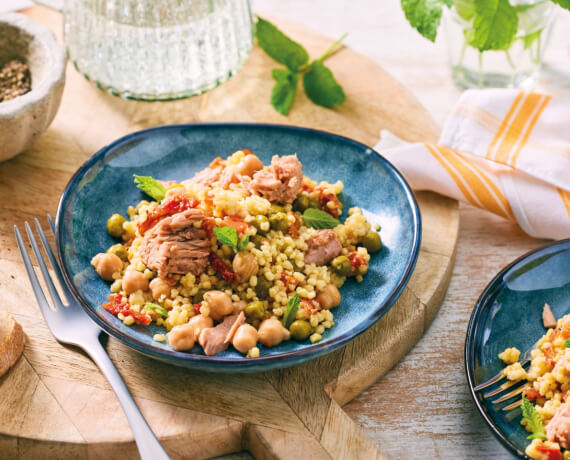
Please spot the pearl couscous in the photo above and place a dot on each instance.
(241, 254)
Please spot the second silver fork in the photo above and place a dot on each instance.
(70, 325)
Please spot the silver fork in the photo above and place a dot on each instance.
(523, 360)
(70, 325)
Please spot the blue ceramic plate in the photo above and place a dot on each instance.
(104, 185)
(509, 314)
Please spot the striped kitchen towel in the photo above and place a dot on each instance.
(504, 150)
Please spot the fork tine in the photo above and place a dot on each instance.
(503, 387)
(512, 406)
(512, 394)
(52, 258)
(38, 292)
(490, 382)
(43, 267)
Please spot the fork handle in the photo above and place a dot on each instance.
(147, 443)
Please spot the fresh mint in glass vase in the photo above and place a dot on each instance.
(491, 43)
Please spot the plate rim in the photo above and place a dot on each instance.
(218, 364)
(469, 347)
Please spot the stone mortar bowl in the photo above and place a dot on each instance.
(24, 118)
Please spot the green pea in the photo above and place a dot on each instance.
(262, 287)
(341, 266)
(257, 240)
(115, 225)
(301, 203)
(255, 310)
(199, 296)
(279, 221)
(119, 250)
(300, 329)
(372, 241)
(275, 208)
(261, 223)
(314, 203)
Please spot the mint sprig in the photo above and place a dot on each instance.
(494, 26)
(158, 309)
(318, 81)
(229, 237)
(318, 219)
(291, 310)
(533, 420)
(151, 187)
(424, 15)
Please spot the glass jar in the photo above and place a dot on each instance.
(157, 49)
(514, 67)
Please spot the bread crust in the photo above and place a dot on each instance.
(12, 341)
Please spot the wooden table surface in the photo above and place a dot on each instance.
(432, 415)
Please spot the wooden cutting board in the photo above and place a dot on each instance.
(54, 403)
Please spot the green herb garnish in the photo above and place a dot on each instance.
(533, 420)
(318, 81)
(291, 311)
(157, 309)
(319, 219)
(567, 343)
(229, 237)
(151, 187)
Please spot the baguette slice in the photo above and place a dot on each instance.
(11, 341)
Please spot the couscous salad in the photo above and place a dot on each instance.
(239, 254)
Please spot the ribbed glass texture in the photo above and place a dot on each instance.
(158, 49)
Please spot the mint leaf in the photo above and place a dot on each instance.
(465, 9)
(227, 236)
(494, 26)
(291, 311)
(279, 46)
(157, 309)
(151, 187)
(533, 420)
(284, 90)
(563, 3)
(424, 15)
(567, 343)
(321, 86)
(319, 219)
(243, 243)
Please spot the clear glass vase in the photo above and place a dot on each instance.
(157, 49)
(514, 67)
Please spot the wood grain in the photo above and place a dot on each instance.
(198, 415)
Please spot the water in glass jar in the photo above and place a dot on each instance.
(158, 49)
(512, 67)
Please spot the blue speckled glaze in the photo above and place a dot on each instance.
(509, 314)
(104, 186)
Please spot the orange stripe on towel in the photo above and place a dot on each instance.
(565, 199)
(504, 125)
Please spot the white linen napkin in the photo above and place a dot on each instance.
(504, 150)
(14, 5)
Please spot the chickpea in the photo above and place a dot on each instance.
(199, 323)
(271, 332)
(249, 165)
(133, 281)
(244, 265)
(115, 225)
(239, 306)
(220, 304)
(245, 338)
(107, 264)
(159, 287)
(329, 297)
(182, 337)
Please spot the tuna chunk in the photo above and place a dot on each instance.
(175, 245)
(322, 248)
(548, 318)
(217, 339)
(207, 176)
(558, 429)
(280, 182)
